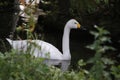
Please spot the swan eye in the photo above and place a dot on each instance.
(75, 22)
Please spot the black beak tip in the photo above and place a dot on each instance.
(83, 28)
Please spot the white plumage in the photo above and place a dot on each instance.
(43, 49)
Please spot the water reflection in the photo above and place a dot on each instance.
(62, 64)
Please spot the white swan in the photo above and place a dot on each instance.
(47, 50)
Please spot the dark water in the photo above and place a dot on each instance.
(64, 65)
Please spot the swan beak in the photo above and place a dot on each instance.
(78, 25)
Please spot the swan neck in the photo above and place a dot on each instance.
(65, 43)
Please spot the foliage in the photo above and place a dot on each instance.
(101, 64)
(26, 67)
(116, 71)
(83, 6)
(87, 12)
(28, 20)
(21, 66)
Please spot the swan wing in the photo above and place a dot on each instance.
(47, 50)
(18, 44)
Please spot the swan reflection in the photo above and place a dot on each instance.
(62, 64)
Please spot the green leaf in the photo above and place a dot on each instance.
(107, 61)
(81, 63)
(96, 34)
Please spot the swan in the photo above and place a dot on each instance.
(47, 50)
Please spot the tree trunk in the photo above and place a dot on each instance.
(9, 10)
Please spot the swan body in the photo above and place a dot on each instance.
(42, 50)
(46, 50)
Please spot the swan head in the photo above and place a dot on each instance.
(73, 24)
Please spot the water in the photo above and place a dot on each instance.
(62, 64)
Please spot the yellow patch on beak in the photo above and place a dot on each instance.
(78, 25)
